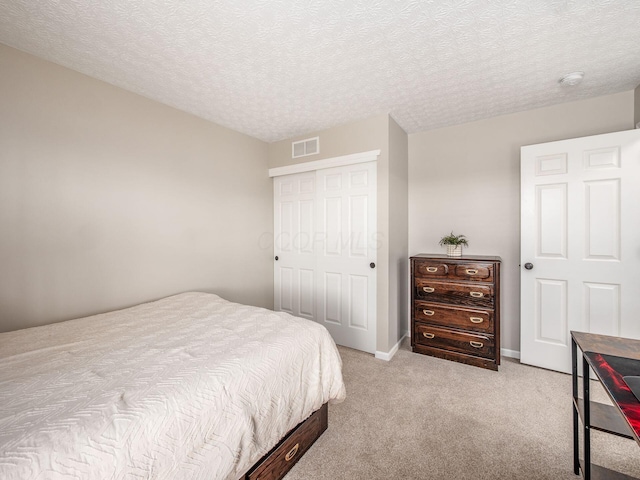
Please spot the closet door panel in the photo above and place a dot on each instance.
(347, 223)
(294, 250)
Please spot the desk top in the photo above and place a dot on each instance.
(618, 346)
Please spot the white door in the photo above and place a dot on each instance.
(325, 245)
(580, 244)
(294, 227)
(346, 260)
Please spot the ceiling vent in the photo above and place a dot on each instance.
(302, 148)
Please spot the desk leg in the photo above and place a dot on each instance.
(576, 418)
(587, 418)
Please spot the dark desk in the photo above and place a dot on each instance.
(623, 417)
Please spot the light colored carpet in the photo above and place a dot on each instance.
(419, 417)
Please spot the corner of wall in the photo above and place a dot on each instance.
(387, 356)
(398, 231)
(636, 107)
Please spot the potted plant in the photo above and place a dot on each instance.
(454, 244)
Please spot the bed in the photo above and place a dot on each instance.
(188, 387)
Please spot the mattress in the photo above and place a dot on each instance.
(188, 387)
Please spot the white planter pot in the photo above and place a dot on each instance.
(454, 250)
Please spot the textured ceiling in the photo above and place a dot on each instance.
(275, 69)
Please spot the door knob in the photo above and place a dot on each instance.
(528, 266)
(372, 265)
(276, 258)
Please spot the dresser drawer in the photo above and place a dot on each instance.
(279, 461)
(463, 294)
(480, 272)
(431, 269)
(465, 319)
(453, 340)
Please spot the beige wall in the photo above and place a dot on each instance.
(467, 179)
(370, 134)
(399, 232)
(108, 199)
(636, 117)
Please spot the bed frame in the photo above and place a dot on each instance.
(275, 464)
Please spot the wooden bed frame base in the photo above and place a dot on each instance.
(275, 464)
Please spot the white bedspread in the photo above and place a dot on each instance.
(188, 387)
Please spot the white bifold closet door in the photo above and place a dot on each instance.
(325, 246)
(580, 244)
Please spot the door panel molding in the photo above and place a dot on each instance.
(342, 161)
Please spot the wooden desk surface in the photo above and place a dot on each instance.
(620, 347)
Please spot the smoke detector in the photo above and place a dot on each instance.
(571, 79)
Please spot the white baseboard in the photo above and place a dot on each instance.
(505, 352)
(386, 356)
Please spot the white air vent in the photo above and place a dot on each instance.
(310, 146)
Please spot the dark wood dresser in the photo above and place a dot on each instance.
(455, 305)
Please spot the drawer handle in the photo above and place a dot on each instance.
(428, 312)
(471, 271)
(428, 335)
(476, 294)
(429, 289)
(476, 344)
(476, 319)
(292, 452)
(432, 269)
